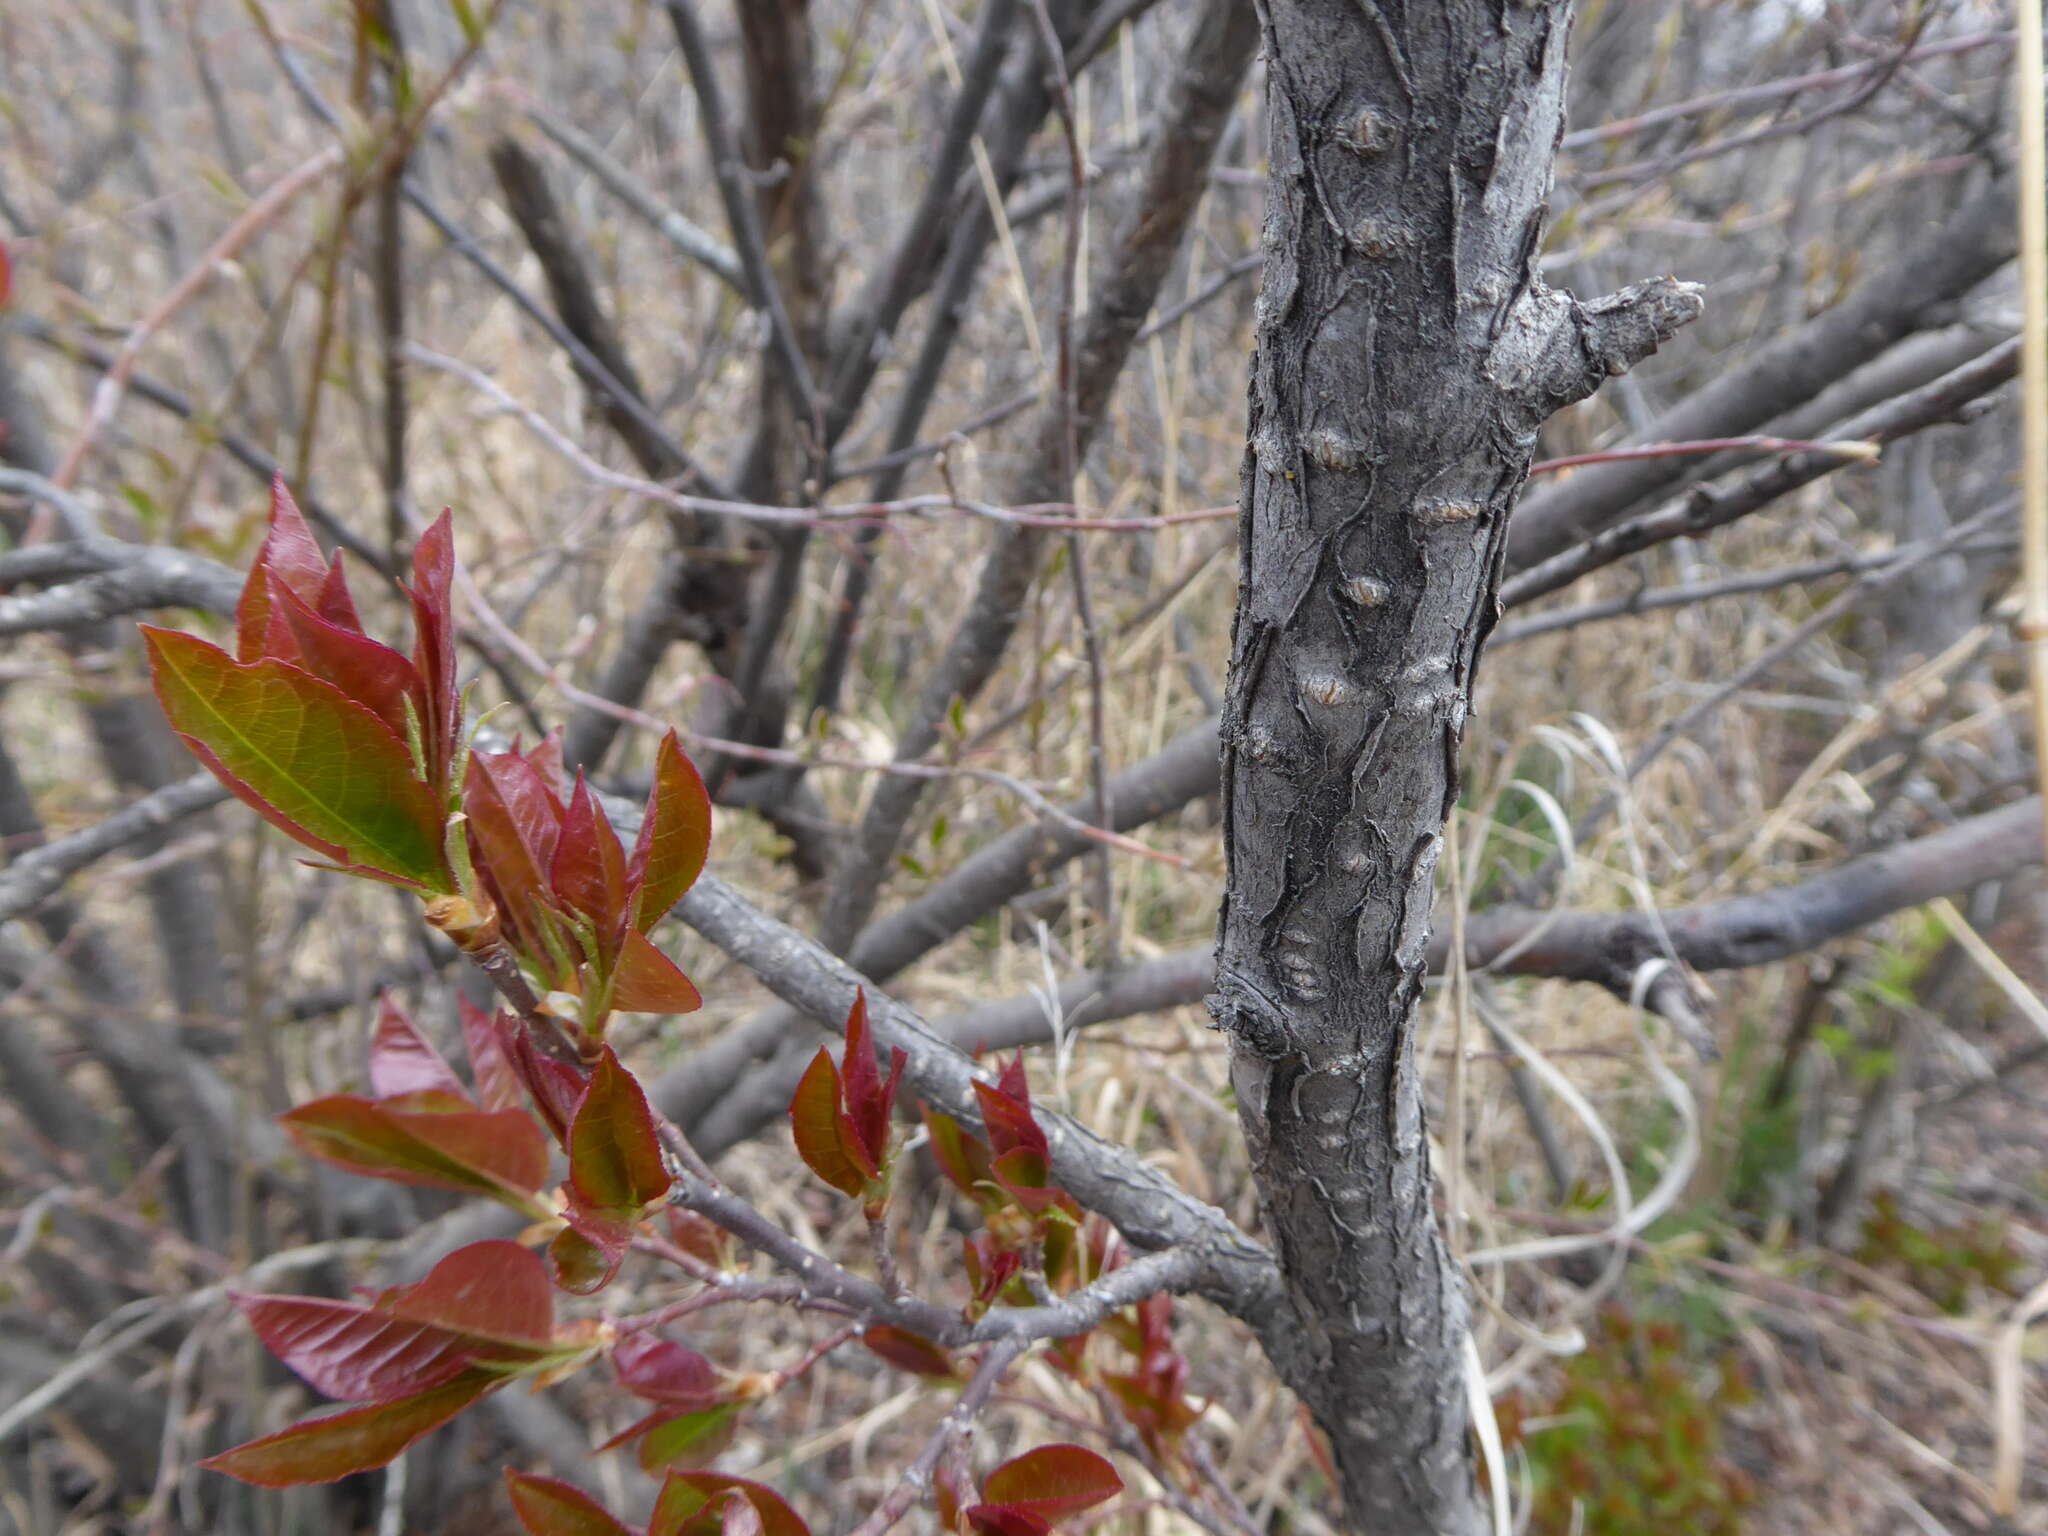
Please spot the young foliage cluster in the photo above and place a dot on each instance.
(1631, 1440)
(362, 754)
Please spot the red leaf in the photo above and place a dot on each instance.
(546, 757)
(404, 1061)
(996, 1520)
(497, 1085)
(547, 1506)
(353, 1352)
(701, 1239)
(498, 1153)
(962, 1157)
(910, 1352)
(433, 576)
(685, 1495)
(663, 1371)
(556, 1087)
(494, 1291)
(825, 1138)
(645, 980)
(291, 557)
(1006, 1112)
(675, 836)
(356, 1440)
(589, 869)
(335, 604)
(368, 671)
(514, 824)
(1051, 1483)
(868, 1099)
(312, 761)
(614, 1153)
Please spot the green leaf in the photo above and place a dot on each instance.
(311, 760)
(356, 1440)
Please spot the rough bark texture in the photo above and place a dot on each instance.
(1407, 354)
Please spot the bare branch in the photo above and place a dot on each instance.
(44, 870)
(1951, 259)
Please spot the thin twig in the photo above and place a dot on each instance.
(106, 397)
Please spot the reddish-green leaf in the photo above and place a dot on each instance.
(497, 1153)
(910, 1352)
(589, 870)
(963, 1157)
(989, 1269)
(1051, 1483)
(825, 1138)
(547, 1506)
(585, 1255)
(433, 618)
(684, 1439)
(492, 1291)
(614, 1154)
(1022, 1172)
(663, 1371)
(314, 762)
(356, 1440)
(645, 980)
(290, 557)
(686, 1495)
(404, 1062)
(675, 836)
(497, 1085)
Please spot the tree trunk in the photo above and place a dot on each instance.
(1407, 354)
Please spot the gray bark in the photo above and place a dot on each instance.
(1407, 354)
